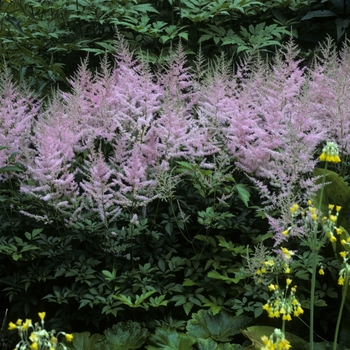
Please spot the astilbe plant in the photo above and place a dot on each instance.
(267, 128)
(17, 111)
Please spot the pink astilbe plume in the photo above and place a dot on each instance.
(49, 164)
(268, 129)
(135, 181)
(97, 187)
(329, 93)
(177, 130)
(17, 112)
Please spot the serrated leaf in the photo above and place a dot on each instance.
(221, 327)
(85, 341)
(170, 339)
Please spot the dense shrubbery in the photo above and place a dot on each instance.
(153, 197)
(44, 41)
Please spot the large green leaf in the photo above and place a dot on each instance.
(86, 341)
(335, 192)
(210, 344)
(256, 332)
(169, 339)
(125, 336)
(220, 327)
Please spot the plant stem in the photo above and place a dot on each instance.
(312, 296)
(345, 289)
(314, 253)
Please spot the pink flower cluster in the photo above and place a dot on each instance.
(101, 146)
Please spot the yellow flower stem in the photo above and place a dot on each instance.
(314, 253)
(345, 289)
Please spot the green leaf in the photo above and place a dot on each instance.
(170, 339)
(220, 327)
(256, 332)
(319, 13)
(243, 193)
(85, 341)
(126, 336)
(216, 275)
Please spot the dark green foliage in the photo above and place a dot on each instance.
(43, 42)
(160, 268)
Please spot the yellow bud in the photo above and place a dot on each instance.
(42, 315)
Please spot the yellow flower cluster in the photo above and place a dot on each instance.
(330, 222)
(283, 305)
(345, 272)
(276, 341)
(265, 267)
(330, 153)
(39, 338)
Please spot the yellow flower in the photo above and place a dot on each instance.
(309, 202)
(314, 217)
(331, 237)
(341, 281)
(34, 346)
(330, 153)
(294, 208)
(333, 218)
(33, 337)
(338, 208)
(339, 231)
(285, 232)
(19, 322)
(288, 281)
(287, 269)
(343, 241)
(42, 315)
(330, 206)
(12, 326)
(287, 253)
(343, 254)
(26, 324)
(321, 272)
(286, 317)
(269, 262)
(69, 337)
(273, 287)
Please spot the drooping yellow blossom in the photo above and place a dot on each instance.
(339, 230)
(69, 337)
(288, 281)
(26, 324)
(34, 346)
(12, 326)
(287, 253)
(341, 281)
(321, 271)
(19, 322)
(277, 341)
(343, 254)
(330, 153)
